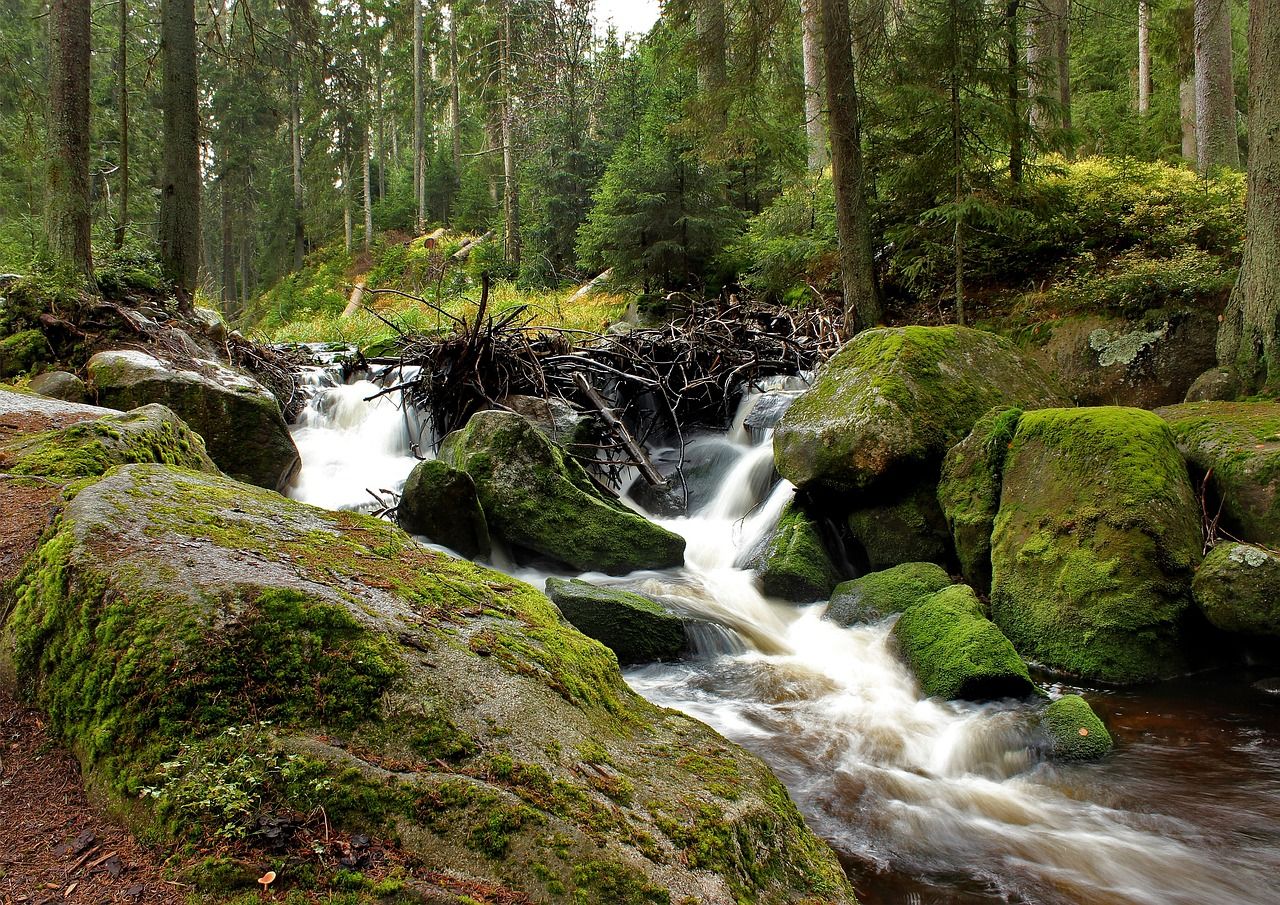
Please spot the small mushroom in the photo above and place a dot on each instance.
(267, 879)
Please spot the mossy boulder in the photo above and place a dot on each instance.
(896, 399)
(794, 564)
(240, 421)
(1239, 442)
(440, 503)
(1238, 588)
(637, 629)
(879, 594)
(60, 385)
(28, 413)
(969, 491)
(540, 499)
(189, 635)
(908, 526)
(22, 351)
(148, 434)
(1075, 732)
(1095, 543)
(955, 651)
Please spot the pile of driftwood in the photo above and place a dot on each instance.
(683, 374)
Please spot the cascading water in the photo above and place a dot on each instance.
(926, 801)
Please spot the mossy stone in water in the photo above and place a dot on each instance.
(898, 398)
(440, 503)
(1237, 587)
(956, 652)
(536, 497)
(879, 594)
(794, 564)
(906, 527)
(1075, 730)
(1095, 543)
(635, 628)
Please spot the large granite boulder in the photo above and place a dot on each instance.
(794, 564)
(173, 623)
(1237, 587)
(536, 497)
(637, 629)
(879, 594)
(957, 652)
(1095, 543)
(28, 413)
(60, 385)
(440, 503)
(901, 527)
(243, 428)
(894, 400)
(1239, 442)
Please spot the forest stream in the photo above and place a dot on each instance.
(925, 801)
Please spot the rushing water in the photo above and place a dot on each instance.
(925, 801)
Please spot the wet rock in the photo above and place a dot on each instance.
(27, 413)
(956, 652)
(694, 484)
(1074, 730)
(794, 564)
(243, 428)
(1237, 587)
(210, 323)
(895, 400)
(1214, 385)
(559, 420)
(536, 497)
(440, 503)
(1240, 443)
(637, 629)
(22, 351)
(879, 594)
(767, 410)
(1096, 540)
(60, 385)
(907, 527)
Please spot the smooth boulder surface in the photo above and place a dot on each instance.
(879, 594)
(538, 498)
(410, 696)
(635, 628)
(956, 652)
(1240, 443)
(28, 413)
(60, 385)
(896, 399)
(1095, 543)
(907, 527)
(794, 565)
(1075, 732)
(243, 428)
(1237, 587)
(440, 503)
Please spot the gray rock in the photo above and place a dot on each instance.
(440, 503)
(637, 629)
(27, 413)
(1214, 385)
(60, 385)
(1237, 587)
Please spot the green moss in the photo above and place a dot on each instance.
(219, 874)
(1237, 587)
(486, 820)
(1075, 730)
(907, 526)
(608, 881)
(879, 594)
(22, 351)
(437, 738)
(956, 652)
(795, 565)
(635, 628)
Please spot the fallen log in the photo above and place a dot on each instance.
(357, 294)
(590, 285)
(638, 455)
(469, 246)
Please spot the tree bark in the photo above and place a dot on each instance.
(511, 184)
(853, 223)
(455, 96)
(122, 67)
(1187, 114)
(365, 165)
(1013, 77)
(228, 243)
(1049, 64)
(180, 185)
(419, 154)
(709, 22)
(1216, 142)
(295, 142)
(1144, 57)
(1249, 339)
(67, 177)
(815, 128)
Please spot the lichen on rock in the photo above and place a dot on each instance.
(1237, 587)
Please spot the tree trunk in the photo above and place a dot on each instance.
(1144, 57)
(511, 185)
(1187, 114)
(365, 164)
(815, 128)
(957, 164)
(1249, 340)
(419, 154)
(228, 244)
(122, 68)
(180, 186)
(1048, 64)
(1013, 70)
(853, 223)
(1216, 143)
(295, 141)
(455, 97)
(67, 188)
(711, 51)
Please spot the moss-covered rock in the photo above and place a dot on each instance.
(956, 652)
(1095, 544)
(635, 628)
(794, 564)
(1238, 588)
(1240, 443)
(28, 413)
(898, 398)
(240, 421)
(879, 594)
(537, 498)
(1214, 385)
(440, 503)
(60, 385)
(1075, 732)
(905, 527)
(214, 653)
(22, 351)
(969, 491)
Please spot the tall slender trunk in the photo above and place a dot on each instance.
(1216, 142)
(455, 97)
(122, 68)
(1048, 64)
(709, 20)
(381, 120)
(67, 188)
(228, 244)
(1013, 70)
(1144, 57)
(853, 223)
(419, 170)
(957, 165)
(368, 188)
(1187, 115)
(348, 229)
(511, 183)
(815, 128)
(295, 143)
(1249, 339)
(180, 185)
